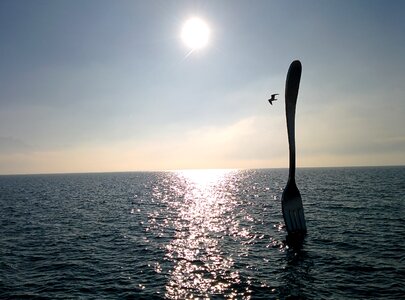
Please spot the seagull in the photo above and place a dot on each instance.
(273, 98)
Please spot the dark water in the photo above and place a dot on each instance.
(206, 234)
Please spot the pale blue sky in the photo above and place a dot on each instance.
(106, 85)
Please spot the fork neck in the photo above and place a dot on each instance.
(291, 173)
(291, 141)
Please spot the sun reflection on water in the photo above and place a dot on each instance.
(205, 216)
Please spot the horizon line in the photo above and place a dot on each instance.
(198, 169)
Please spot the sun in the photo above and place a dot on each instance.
(195, 33)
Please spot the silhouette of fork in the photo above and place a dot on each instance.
(291, 201)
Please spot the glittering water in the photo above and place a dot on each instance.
(202, 234)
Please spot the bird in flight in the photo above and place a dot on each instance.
(273, 98)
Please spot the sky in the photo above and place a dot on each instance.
(100, 86)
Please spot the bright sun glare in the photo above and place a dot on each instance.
(195, 33)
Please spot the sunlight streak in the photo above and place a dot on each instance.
(204, 214)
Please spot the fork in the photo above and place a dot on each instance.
(291, 201)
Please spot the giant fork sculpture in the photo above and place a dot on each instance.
(291, 201)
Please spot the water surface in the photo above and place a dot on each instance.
(209, 234)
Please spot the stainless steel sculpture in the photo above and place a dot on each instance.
(291, 201)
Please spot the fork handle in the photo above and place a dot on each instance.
(291, 93)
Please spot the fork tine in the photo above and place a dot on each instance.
(295, 220)
(301, 218)
(288, 221)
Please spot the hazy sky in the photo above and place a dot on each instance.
(108, 86)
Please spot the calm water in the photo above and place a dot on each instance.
(206, 234)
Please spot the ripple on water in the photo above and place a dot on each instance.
(217, 234)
